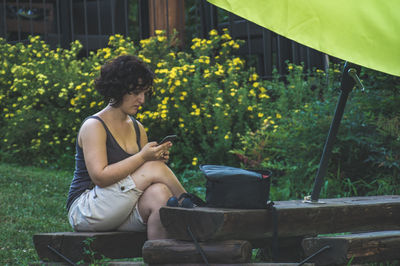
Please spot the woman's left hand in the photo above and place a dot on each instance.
(165, 156)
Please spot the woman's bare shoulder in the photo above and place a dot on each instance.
(92, 128)
(91, 123)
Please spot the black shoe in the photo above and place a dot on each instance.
(197, 201)
(173, 202)
(186, 202)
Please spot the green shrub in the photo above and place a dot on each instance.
(207, 96)
(364, 159)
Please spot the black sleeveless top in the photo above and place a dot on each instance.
(115, 153)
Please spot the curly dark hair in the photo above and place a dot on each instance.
(122, 75)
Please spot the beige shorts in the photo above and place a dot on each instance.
(113, 208)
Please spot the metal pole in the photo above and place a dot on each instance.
(347, 84)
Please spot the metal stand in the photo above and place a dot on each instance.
(349, 78)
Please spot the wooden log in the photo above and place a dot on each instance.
(294, 218)
(357, 248)
(72, 245)
(175, 251)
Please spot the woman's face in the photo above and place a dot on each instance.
(133, 100)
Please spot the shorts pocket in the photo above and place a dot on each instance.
(127, 184)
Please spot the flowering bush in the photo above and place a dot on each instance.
(207, 96)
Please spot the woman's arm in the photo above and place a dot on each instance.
(92, 139)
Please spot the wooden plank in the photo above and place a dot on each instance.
(175, 251)
(294, 218)
(71, 244)
(357, 248)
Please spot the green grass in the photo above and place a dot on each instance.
(32, 200)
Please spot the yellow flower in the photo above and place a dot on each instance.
(144, 42)
(260, 114)
(161, 38)
(194, 161)
(172, 54)
(250, 108)
(253, 77)
(213, 32)
(226, 136)
(278, 116)
(226, 36)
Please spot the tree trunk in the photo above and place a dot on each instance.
(167, 15)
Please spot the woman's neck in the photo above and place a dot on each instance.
(114, 113)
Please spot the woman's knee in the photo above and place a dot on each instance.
(150, 173)
(158, 192)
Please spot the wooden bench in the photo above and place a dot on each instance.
(296, 220)
(51, 247)
(228, 235)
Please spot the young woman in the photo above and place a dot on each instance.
(120, 180)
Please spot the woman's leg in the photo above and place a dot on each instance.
(104, 209)
(152, 199)
(157, 172)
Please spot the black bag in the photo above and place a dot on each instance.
(230, 187)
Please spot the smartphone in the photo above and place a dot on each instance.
(168, 138)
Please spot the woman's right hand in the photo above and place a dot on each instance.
(153, 152)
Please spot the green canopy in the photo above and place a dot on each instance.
(364, 32)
